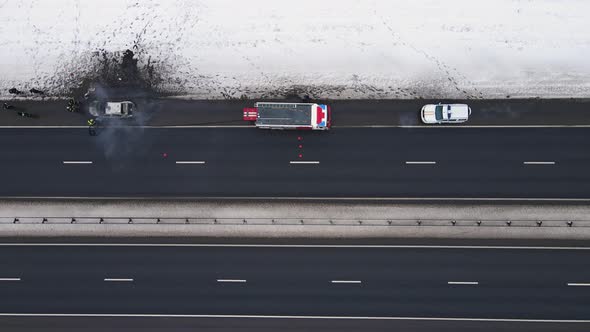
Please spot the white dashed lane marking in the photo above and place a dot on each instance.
(304, 162)
(118, 279)
(346, 281)
(232, 280)
(539, 163)
(190, 162)
(76, 162)
(463, 283)
(420, 162)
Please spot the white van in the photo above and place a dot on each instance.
(121, 109)
(445, 113)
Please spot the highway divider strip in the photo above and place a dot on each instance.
(483, 223)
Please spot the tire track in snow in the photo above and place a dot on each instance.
(441, 65)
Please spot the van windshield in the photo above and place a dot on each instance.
(438, 112)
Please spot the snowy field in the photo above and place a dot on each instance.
(323, 48)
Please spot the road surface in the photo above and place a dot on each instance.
(495, 284)
(168, 112)
(421, 163)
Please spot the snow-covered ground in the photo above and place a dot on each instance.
(324, 48)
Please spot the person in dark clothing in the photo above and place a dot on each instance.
(25, 114)
(73, 105)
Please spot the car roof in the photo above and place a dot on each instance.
(459, 111)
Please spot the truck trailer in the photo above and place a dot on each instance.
(298, 116)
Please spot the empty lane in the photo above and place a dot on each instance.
(246, 162)
(353, 281)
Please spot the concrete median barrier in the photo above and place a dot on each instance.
(56, 218)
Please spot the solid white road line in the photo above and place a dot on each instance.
(460, 319)
(115, 126)
(118, 279)
(198, 126)
(578, 284)
(232, 280)
(420, 162)
(43, 127)
(204, 245)
(463, 283)
(73, 162)
(9, 279)
(339, 127)
(346, 281)
(304, 162)
(539, 163)
(460, 127)
(190, 162)
(309, 198)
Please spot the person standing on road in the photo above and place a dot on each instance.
(73, 105)
(91, 124)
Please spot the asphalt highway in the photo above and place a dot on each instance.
(491, 283)
(344, 162)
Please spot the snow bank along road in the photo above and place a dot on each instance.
(448, 163)
(328, 49)
(533, 284)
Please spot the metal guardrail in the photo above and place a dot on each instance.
(297, 221)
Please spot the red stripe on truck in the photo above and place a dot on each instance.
(250, 113)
